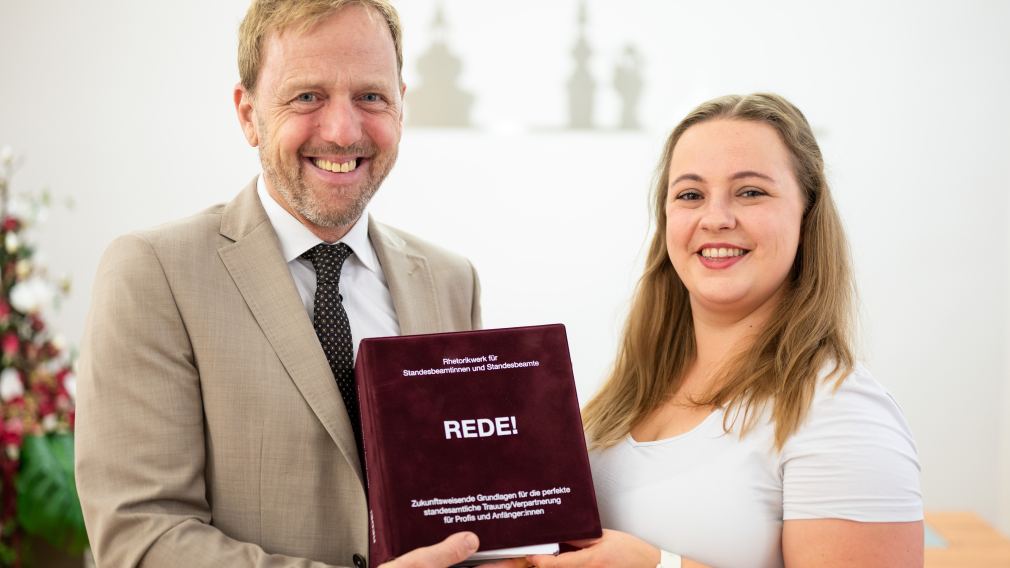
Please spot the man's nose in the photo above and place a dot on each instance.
(340, 123)
(718, 215)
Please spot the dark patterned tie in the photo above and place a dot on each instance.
(332, 326)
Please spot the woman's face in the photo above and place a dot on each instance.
(733, 215)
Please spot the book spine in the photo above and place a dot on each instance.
(379, 548)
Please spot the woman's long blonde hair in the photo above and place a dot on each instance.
(809, 329)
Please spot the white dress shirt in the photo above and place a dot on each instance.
(362, 284)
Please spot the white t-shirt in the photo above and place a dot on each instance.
(720, 499)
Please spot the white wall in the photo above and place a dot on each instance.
(1004, 449)
(126, 107)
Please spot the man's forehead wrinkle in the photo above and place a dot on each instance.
(301, 63)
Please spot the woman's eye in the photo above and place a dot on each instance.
(689, 195)
(752, 192)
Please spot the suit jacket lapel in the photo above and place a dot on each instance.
(410, 281)
(257, 266)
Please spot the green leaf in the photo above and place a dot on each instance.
(48, 506)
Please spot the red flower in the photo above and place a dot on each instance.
(5, 309)
(41, 389)
(37, 323)
(12, 433)
(50, 351)
(9, 467)
(10, 343)
(46, 407)
(11, 224)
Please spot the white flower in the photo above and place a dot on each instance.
(70, 383)
(6, 155)
(59, 342)
(49, 422)
(23, 297)
(11, 242)
(31, 295)
(11, 386)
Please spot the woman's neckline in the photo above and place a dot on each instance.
(667, 439)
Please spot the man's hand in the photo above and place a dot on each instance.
(456, 548)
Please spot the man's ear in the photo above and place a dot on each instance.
(246, 114)
(403, 100)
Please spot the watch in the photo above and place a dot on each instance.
(668, 560)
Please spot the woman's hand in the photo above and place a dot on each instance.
(456, 548)
(612, 550)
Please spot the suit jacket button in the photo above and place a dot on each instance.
(359, 561)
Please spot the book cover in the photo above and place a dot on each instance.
(477, 431)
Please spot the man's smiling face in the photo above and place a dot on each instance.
(327, 116)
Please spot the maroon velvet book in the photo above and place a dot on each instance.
(477, 431)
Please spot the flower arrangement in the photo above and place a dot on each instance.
(37, 389)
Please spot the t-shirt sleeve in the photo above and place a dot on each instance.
(853, 458)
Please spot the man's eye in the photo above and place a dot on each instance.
(371, 98)
(306, 98)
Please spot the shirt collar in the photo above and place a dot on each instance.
(296, 238)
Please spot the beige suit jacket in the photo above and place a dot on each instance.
(210, 431)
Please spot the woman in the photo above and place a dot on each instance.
(736, 428)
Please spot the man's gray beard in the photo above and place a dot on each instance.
(299, 198)
(301, 201)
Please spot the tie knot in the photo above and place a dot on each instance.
(327, 260)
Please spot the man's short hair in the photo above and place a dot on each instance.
(274, 16)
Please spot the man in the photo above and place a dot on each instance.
(214, 428)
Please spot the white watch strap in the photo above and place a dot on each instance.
(668, 560)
